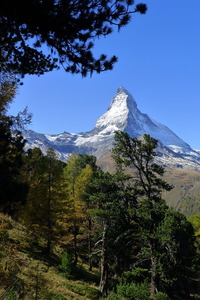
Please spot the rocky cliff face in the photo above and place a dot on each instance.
(122, 114)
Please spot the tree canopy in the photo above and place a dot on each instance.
(83, 217)
(163, 232)
(37, 36)
(12, 143)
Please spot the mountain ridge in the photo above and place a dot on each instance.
(122, 114)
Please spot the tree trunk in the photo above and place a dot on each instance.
(48, 247)
(117, 267)
(153, 288)
(89, 243)
(103, 286)
(49, 221)
(75, 246)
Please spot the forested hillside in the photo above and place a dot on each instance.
(72, 231)
(185, 194)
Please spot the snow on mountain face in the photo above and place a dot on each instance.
(123, 115)
(118, 111)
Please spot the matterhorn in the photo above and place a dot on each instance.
(122, 114)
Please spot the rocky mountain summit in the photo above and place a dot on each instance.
(122, 114)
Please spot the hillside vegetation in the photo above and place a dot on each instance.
(82, 233)
(185, 194)
(26, 273)
(74, 231)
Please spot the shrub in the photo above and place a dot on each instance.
(131, 291)
(84, 290)
(12, 294)
(160, 296)
(66, 265)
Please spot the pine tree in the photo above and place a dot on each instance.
(177, 255)
(154, 218)
(67, 28)
(195, 221)
(104, 200)
(12, 191)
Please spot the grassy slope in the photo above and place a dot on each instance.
(32, 275)
(38, 278)
(184, 197)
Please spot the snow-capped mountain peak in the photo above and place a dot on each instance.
(118, 112)
(122, 114)
(123, 96)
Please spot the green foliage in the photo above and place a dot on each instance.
(49, 295)
(87, 160)
(130, 291)
(135, 275)
(67, 29)
(12, 189)
(114, 222)
(195, 221)
(58, 297)
(84, 290)
(103, 196)
(160, 296)
(44, 175)
(176, 259)
(77, 174)
(189, 205)
(66, 265)
(139, 154)
(163, 232)
(12, 294)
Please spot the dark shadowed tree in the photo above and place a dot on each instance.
(44, 174)
(105, 198)
(12, 191)
(37, 36)
(162, 231)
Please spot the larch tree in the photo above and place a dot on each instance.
(44, 175)
(76, 177)
(86, 160)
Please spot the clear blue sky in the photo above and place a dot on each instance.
(159, 63)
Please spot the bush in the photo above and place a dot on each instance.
(66, 265)
(131, 291)
(160, 296)
(12, 294)
(58, 297)
(84, 290)
(136, 275)
(48, 295)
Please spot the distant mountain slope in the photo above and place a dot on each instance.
(185, 195)
(122, 114)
